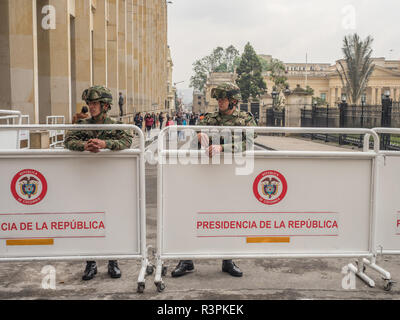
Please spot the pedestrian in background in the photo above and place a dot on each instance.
(121, 104)
(192, 121)
(138, 120)
(161, 119)
(149, 121)
(154, 120)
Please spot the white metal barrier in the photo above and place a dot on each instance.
(388, 206)
(10, 139)
(127, 119)
(56, 136)
(24, 134)
(64, 205)
(292, 204)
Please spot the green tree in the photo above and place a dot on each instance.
(277, 72)
(249, 71)
(357, 67)
(220, 60)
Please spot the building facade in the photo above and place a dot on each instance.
(51, 50)
(199, 102)
(327, 85)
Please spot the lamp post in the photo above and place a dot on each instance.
(386, 118)
(327, 121)
(274, 94)
(342, 107)
(363, 98)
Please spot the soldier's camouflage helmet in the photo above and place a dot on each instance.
(98, 94)
(226, 90)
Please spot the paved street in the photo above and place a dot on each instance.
(263, 279)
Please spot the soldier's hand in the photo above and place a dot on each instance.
(213, 150)
(100, 144)
(203, 139)
(92, 148)
(95, 145)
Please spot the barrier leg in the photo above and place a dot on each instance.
(359, 271)
(160, 271)
(142, 275)
(385, 274)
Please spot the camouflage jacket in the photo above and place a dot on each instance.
(115, 139)
(237, 119)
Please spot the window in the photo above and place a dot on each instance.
(323, 96)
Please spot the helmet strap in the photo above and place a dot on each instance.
(103, 114)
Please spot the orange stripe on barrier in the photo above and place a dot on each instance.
(30, 242)
(268, 240)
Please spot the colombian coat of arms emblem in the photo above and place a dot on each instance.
(270, 187)
(29, 187)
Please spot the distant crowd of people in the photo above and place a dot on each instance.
(153, 120)
(160, 120)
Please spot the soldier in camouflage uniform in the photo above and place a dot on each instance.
(99, 101)
(228, 96)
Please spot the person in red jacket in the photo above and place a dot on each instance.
(149, 120)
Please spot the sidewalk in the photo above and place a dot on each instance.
(279, 143)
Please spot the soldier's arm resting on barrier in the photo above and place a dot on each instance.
(239, 144)
(74, 141)
(121, 140)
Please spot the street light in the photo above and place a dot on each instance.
(274, 94)
(363, 100)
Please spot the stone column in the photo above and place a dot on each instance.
(112, 51)
(19, 82)
(392, 93)
(135, 58)
(5, 84)
(129, 52)
(141, 33)
(379, 96)
(122, 72)
(100, 44)
(373, 96)
(332, 97)
(54, 48)
(83, 52)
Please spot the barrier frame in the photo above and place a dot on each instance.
(53, 121)
(12, 114)
(146, 267)
(365, 154)
(372, 263)
(20, 120)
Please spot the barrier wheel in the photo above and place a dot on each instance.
(388, 286)
(160, 287)
(164, 271)
(149, 270)
(141, 287)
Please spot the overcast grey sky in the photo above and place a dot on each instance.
(286, 29)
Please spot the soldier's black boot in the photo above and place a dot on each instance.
(113, 269)
(90, 270)
(183, 267)
(230, 267)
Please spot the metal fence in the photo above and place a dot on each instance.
(275, 118)
(353, 116)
